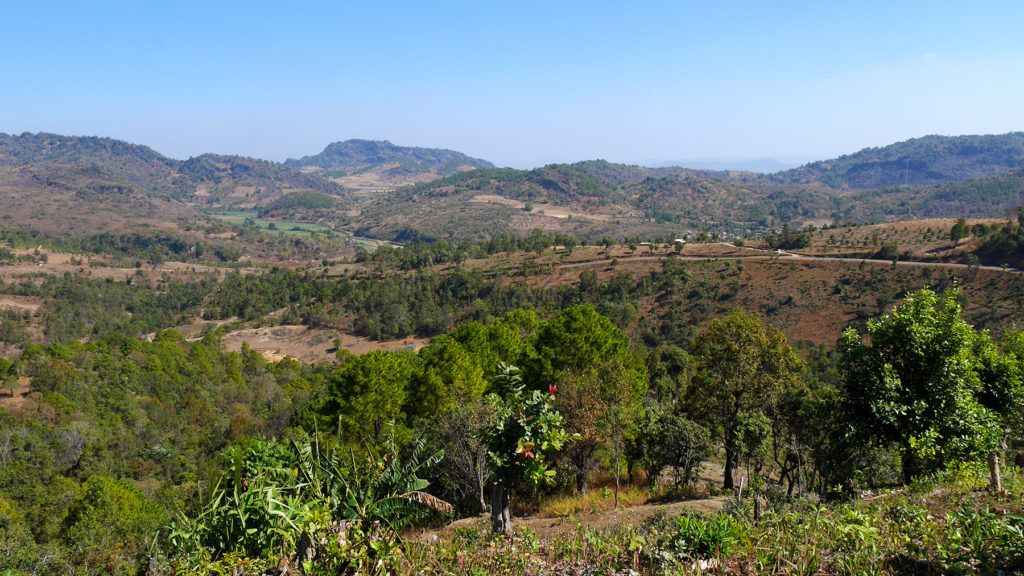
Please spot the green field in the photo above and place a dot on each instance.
(240, 217)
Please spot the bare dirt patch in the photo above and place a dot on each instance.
(13, 398)
(20, 303)
(310, 345)
(541, 209)
(547, 527)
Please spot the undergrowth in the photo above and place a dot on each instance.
(943, 524)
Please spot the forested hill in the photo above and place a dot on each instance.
(929, 161)
(208, 179)
(134, 163)
(367, 154)
(982, 198)
(231, 178)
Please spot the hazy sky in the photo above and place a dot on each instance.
(518, 83)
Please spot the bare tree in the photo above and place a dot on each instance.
(464, 468)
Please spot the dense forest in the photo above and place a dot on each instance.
(128, 455)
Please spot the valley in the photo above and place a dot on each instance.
(224, 363)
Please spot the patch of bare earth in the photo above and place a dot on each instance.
(548, 527)
(13, 398)
(59, 263)
(20, 303)
(310, 345)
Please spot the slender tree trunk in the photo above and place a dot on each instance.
(994, 471)
(995, 478)
(501, 520)
(617, 469)
(730, 465)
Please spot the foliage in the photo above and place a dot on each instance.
(109, 526)
(744, 365)
(369, 391)
(916, 383)
(666, 438)
(788, 239)
(951, 529)
(524, 429)
(311, 504)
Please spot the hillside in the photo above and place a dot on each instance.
(126, 200)
(374, 165)
(209, 179)
(927, 161)
(981, 198)
(85, 185)
(238, 181)
(113, 419)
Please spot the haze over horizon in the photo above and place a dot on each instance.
(567, 82)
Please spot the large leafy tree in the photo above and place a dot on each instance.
(742, 365)
(916, 382)
(601, 381)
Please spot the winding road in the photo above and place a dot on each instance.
(791, 256)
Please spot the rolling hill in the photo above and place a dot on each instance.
(363, 154)
(85, 185)
(209, 179)
(374, 166)
(927, 161)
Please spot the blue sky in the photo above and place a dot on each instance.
(520, 83)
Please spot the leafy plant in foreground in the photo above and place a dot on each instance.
(320, 506)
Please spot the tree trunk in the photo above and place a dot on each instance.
(501, 519)
(617, 471)
(581, 482)
(482, 493)
(912, 465)
(995, 478)
(730, 465)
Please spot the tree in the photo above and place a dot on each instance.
(1002, 393)
(666, 438)
(743, 364)
(916, 383)
(448, 376)
(754, 437)
(587, 358)
(109, 523)
(578, 341)
(465, 468)
(369, 391)
(523, 430)
(959, 230)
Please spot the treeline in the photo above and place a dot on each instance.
(419, 253)
(153, 247)
(78, 308)
(1003, 244)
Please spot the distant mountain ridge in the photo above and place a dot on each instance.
(74, 185)
(926, 161)
(363, 154)
(202, 179)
